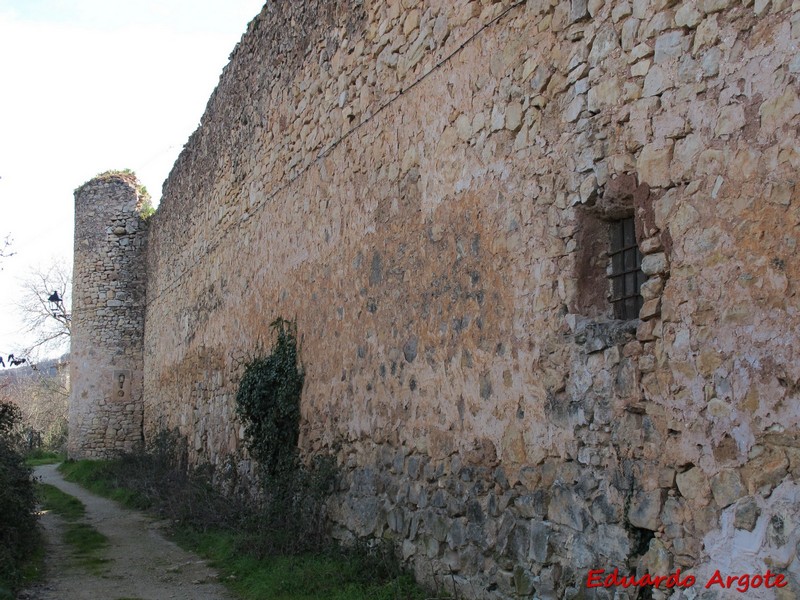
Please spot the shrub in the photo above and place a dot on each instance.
(268, 401)
(292, 516)
(19, 536)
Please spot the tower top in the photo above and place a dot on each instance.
(127, 177)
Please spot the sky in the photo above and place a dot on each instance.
(92, 85)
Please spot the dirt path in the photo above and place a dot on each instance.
(143, 565)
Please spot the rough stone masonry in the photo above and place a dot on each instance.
(430, 189)
(108, 301)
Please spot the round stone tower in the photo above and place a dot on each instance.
(108, 306)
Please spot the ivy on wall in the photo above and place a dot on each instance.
(268, 402)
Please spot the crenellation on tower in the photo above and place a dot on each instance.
(109, 280)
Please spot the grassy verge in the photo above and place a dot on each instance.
(86, 542)
(43, 457)
(67, 507)
(307, 577)
(87, 546)
(102, 478)
(332, 574)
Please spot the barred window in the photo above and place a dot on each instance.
(625, 270)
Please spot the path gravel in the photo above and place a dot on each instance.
(143, 565)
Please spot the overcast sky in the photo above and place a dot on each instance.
(92, 85)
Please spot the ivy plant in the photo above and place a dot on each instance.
(268, 402)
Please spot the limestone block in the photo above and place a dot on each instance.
(710, 61)
(654, 162)
(706, 34)
(579, 9)
(746, 515)
(513, 116)
(498, 118)
(642, 9)
(605, 94)
(594, 7)
(564, 508)
(620, 10)
(650, 309)
(669, 46)
(727, 487)
(645, 508)
(694, 485)
(778, 110)
(574, 109)
(629, 30)
(656, 82)
(687, 15)
(651, 245)
(645, 333)
(605, 42)
(411, 22)
(641, 68)
(710, 6)
(766, 470)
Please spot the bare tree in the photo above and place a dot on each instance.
(45, 308)
(5, 248)
(41, 396)
(4, 253)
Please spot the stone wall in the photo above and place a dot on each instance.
(426, 187)
(108, 302)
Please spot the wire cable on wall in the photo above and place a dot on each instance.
(333, 145)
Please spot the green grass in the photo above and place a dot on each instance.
(64, 505)
(350, 576)
(87, 545)
(98, 476)
(43, 457)
(308, 577)
(86, 542)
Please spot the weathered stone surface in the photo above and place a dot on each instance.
(655, 264)
(709, 6)
(564, 509)
(687, 15)
(654, 164)
(513, 116)
(727, 488)
(656, 82)
(778, 110)
(428, 191)
(768, 470)
(656, 560)
(579, 9)
(650, 309)
(731, 119)
(645, 508)
(669, 46)
(106, 363)
(747, 513)
(540, 542)
(694, 485)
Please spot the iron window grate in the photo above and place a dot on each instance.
(626, 270)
